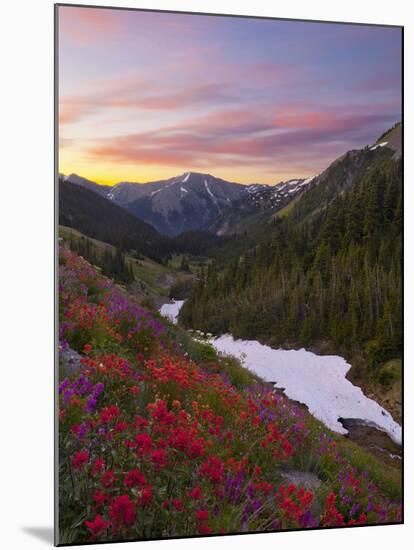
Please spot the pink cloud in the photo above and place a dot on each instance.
(83, 25)
(204, 142)
(379, 84)
(138, 96)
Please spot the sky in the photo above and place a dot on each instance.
(145, 96)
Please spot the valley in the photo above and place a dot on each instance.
(296, 287)
(272, 263)
(229, 194)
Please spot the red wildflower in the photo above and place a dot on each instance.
(159, 458)
(134, 478)
(202, 515)
(178, 504)
(195, 493)
(80, 459)
(331, 516)
(204, 529)
(213, 469)
(120, 427)
(87, 348)
(97, 525)
(98, 466)
(159, 412)
(108, 479)
(122, 511)
(144, 442)
(99, 498)
(146, 496)
(109, 413)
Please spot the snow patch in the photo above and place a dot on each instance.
(188, 174)
(383, 144)
(317, 381)
(214, 198)
(184, 190)
(308, 180)
(209, 190)
(171, 311)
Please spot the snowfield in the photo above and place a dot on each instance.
(319, 382)
(170, 311)
(383, 144)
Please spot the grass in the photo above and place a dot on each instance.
(194, 264)
(283, 212)
(385, 476)
(390, 373)
(155, 279)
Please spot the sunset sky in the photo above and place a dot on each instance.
(146, 96)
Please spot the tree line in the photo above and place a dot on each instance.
(334, 274)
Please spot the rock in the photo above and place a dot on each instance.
(309, 480)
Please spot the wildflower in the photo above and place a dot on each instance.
(202, 515)
(331, 516)
(122, 511)
(80, 459)
(134, 478)
(213, 469)
(120, 427)
(108, 479)
(143, 442)
(146, 495)
(98, 466)
(99, 498)
(109, 413)
(195, 493)
(159, 458)
(97, 525)
(178, 504)
(204, 529)
(87, 348)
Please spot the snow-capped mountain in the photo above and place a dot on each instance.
(193, 200)
(183, 203)
(258, 202)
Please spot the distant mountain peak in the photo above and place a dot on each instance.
(189, 201)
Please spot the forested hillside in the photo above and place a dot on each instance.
(97, 217)
(329, 271)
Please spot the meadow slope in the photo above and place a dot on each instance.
(160, 437)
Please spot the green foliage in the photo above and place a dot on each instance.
(333, 273)
(113, 263)
(101, 219)
(181, 289)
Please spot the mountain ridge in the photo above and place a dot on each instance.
(194, 201)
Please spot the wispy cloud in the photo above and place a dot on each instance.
(239, 137)
(250, 97)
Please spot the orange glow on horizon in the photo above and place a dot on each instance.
(112, 175)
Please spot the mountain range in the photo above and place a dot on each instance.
(195, 201)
